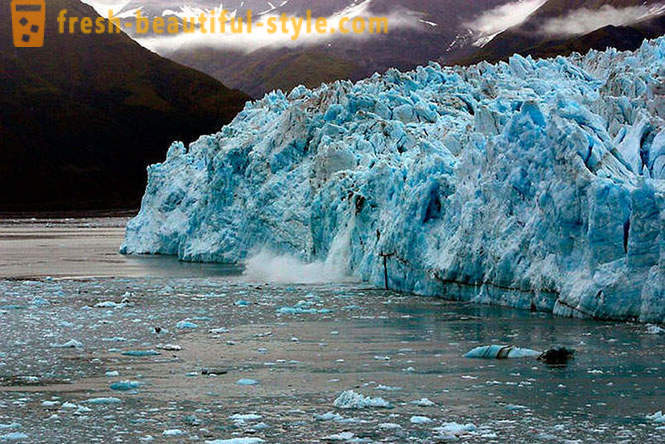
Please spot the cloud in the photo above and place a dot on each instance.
(583, 21)
(497, 20)
(103, 6)
(260, 38)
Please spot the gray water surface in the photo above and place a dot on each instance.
(401, 348)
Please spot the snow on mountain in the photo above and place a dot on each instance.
(534, 184)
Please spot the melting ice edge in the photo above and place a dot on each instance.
(533, 184)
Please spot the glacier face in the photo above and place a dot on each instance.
(534, 184)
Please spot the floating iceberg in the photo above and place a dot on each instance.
(501, 352)
(657, 417)
(537, 184)
(73, 343)
(123, 386)
(352, 400)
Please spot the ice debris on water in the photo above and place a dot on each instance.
(182, 325)
(241, 419)
(13, 436)
(654, 329)
(40, 302)
(102, 401)
(139, 353)
(352, 400)
(303, 307)
(657, 417)
(123, 386)
(173, 432)
(537, 184)
(423, 402)
(69, 344)
(169, 347)
(420, 420)
(388, 388)
(343, 436)
(453, 429)
(246, 381)
(109, 304)
(236, 441)
(501, 352)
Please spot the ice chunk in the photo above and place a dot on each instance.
(236, 441)
(303, 307)
(501, 352)
(343, 436)
(454, 429)
(141, 353)
(109, 304)
(654, 329)
(423, 402)
(246, 381)
(101, 401)
(169, 347)
(420, 420)
(245, 417)
(69, 344)
(352, 400)
(657, 417)
(182, 325)
(173, 432)
(13, 436)
(123, 386)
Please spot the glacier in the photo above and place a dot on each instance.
(536, 184)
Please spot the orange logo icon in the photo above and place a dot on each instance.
(28, 20)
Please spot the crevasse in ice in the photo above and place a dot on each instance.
(534, 184)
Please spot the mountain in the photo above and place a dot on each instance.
(537, 184)
(561, 27)
(420, 31)
(82, 117)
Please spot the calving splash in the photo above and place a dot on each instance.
(267, 266)
(534, 184)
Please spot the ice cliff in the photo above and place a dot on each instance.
(534, 184)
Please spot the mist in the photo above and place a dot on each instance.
(260, 38)
(497, 20)
(266, 266)
(584, 21)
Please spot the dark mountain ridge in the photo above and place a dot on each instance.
(82, 117)
(531, 38)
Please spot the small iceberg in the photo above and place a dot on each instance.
(657, 417)
(140, 353)
(103, 401)
(420, 420)
(69, 344)
(501, 352)
(246, 381)
(183, 325)
(236, 441)
(352, 400)
(123, 386)
(14, 436)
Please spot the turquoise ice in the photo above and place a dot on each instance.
(538, 184)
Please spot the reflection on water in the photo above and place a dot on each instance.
(170, 266)
(617, 370)
(82, 248)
